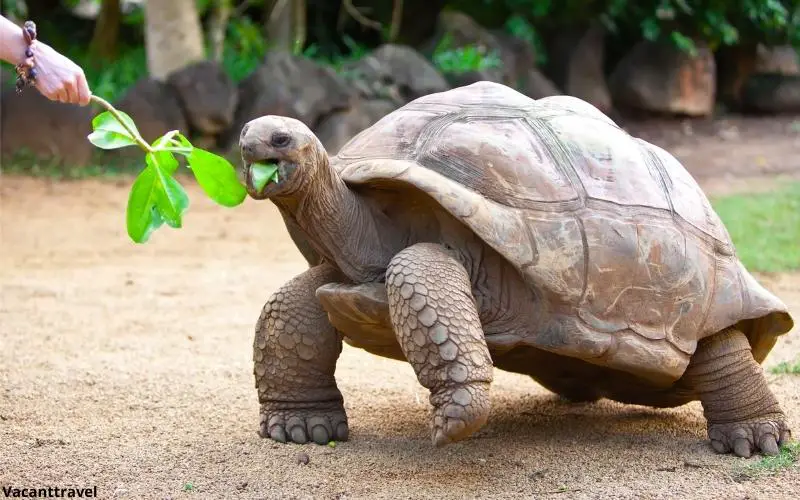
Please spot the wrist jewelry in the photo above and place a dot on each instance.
(26, 70)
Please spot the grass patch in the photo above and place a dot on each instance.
(765, 228)
(23, 162)
(786, 368)
(770, 466)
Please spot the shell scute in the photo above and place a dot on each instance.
(647, 277)
(610, 164)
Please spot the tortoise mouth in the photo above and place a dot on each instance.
(257, 188)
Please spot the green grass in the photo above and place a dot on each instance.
(786, 368)
(770, 466)
(765, 228)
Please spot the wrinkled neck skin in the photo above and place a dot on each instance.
(341, 225)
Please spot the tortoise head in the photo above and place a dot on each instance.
(284, 148)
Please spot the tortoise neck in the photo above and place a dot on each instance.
(343, 226)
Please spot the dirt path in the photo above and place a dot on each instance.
(128, 367)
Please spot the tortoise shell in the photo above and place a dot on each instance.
(611, 230)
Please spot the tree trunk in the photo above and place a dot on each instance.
(173, 36)
(286, 25)
(103, 46)
(219, 24)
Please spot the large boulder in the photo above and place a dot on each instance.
(576, 65)
(396, 72)
(658, 77)
(771, 93)
(780, 59)
(536, 86)
(518, 57)
(154, 107)
(760, 79)
(208, 96)
(31, 124)
(291, 86)
(335, 130)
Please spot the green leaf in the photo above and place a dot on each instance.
(142, 216)
(162, 158)
(109, 133)
(171, 199)
(262, 174)
(167, 142)
(217, 177)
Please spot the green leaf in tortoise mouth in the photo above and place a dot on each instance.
(262, 174)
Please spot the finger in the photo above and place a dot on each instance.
(70, 91)
(83, 89)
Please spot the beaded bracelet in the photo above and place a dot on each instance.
(26, 70)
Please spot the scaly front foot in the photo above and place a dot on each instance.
(294, 355)
(459, 411)
(317, 422)
(436, 321)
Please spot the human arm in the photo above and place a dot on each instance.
(57, 77)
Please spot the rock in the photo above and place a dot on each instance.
(154, 107)
(336, 129)
(535, 85)
(396, 72)
(302, 458)
(658, 77)
(781, 59)
(518, 56)
(208, 96)
(470, 77)
(31, 123)
(576, 65)
(291, 86)
(771, 93)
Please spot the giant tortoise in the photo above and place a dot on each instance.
(478, 228)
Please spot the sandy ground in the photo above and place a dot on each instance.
(129, 368)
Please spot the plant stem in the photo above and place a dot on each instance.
(111, 109)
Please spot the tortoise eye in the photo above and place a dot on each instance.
(280, 139)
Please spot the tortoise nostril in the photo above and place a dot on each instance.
(248, 151)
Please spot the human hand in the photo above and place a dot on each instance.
(57, 77)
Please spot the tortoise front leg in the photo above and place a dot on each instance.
(295, 352)
(436, 321)
(742, 414)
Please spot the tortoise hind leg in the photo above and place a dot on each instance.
(742, 414)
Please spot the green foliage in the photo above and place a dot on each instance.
(519, 27)
(245, 48)
(336, 58)
(449, 59)
(717, 22)
(765, 228)
(113, 80)
(769, 466)
(156, 196)
(786, 368)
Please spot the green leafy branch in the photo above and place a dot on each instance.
(156, 196)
